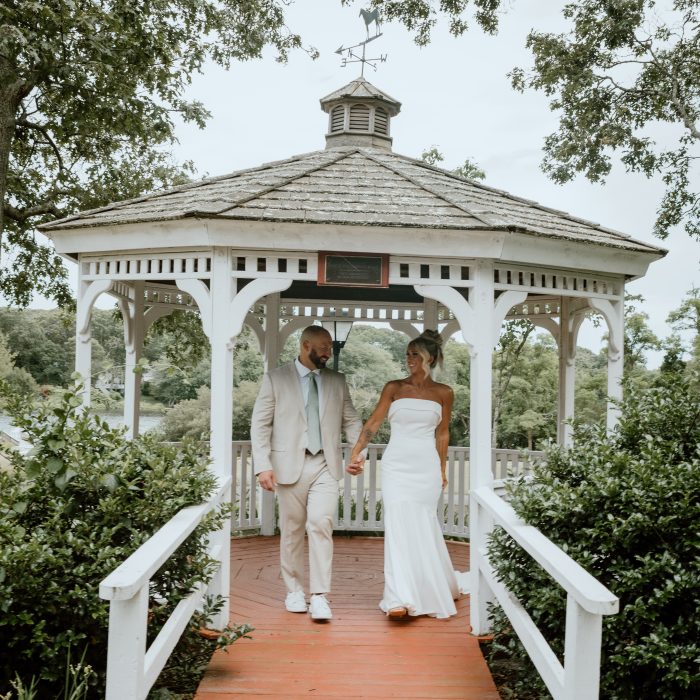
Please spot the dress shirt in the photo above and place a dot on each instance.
(304, 378)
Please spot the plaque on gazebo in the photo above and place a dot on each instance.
(353, 269)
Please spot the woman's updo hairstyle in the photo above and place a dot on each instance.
(429, 346)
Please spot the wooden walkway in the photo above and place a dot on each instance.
(358, 654)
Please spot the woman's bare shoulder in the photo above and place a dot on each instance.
(445, 390)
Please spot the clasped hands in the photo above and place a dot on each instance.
(356, 465)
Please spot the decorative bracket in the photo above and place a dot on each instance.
(453, 300)
(90, 294)
(611, 312)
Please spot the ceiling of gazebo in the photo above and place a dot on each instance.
(354, 186)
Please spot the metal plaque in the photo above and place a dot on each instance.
(353, 269)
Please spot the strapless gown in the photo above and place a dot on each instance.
(418, 573)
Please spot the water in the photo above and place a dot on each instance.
(112, 419)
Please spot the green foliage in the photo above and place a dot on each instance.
(73, 509)
(639, 338)
(43, 342)
(76, 686)
(188, 419)
(189, 659)
(620, 68)
(18, 380)
(421, 16)
(625, 507)
(468, 170)
(170, 384)
(89, 96)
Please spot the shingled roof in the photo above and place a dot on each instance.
(353, 186)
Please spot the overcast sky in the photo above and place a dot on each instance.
(455, 95)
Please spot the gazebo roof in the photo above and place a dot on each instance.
(354, 186)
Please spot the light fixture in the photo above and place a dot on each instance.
(339, 330)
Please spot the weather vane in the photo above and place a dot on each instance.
(369, 17)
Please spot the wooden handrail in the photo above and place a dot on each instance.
(588, 592)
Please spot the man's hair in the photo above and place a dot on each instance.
(311, 332)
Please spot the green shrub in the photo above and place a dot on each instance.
(626, 507)
(72, 510)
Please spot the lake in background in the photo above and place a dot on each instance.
(113, 419)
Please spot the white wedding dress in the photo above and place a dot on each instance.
(418, 573)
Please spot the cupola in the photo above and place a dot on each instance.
(359, 115)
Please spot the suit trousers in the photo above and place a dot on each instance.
(308, 504)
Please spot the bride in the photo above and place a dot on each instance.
(418, 574)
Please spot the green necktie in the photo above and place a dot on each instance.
(313, 421)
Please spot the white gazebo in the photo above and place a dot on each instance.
(355, 231)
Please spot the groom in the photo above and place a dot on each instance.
(295, 433)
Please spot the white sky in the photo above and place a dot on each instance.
(455, 95)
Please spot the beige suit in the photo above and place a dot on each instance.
(307, 486)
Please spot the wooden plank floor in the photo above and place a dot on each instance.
(358, 654)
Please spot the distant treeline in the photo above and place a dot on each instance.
(38, 349)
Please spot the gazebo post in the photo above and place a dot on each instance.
(133, 317)
(430, 314)
(567, 356)
(271, 355)
(614, 314)
(87, 294)
(83, 342)
(480, 473)
(221, 294)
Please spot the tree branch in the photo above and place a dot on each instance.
(49, 140)
(38, 209)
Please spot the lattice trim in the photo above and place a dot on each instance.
(354, 311)
(563, 282)
(146, 266)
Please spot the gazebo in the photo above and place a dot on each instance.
(354, 232)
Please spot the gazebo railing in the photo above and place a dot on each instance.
(578, 678)
(359, 498)
(131, 667)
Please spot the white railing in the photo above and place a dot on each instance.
(587, 601)
(359, 498)
(131, 668)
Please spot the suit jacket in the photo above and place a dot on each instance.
(278, 426)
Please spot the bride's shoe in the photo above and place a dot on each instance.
(397, 613)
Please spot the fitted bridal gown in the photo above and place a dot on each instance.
(418, 573)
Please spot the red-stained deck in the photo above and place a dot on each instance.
(358, 654)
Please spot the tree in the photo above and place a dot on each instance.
(684, 320)
(639, 338)
(16, 379)
(88, 96)
(622, 67)
(420, 16)
(468, 170)
(512, 341)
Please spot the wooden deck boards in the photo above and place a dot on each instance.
(358, 654)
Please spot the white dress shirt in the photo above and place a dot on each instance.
(304, 378)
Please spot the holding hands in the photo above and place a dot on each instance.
(355, 465)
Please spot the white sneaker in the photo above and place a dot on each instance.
(295, 602)
(319, 608)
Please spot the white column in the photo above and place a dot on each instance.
(616, 344)
(567, 375)
(222, 291)
(430, 314)
(133, 317)
(271, 355)
(87, 293)
(272, 349)
(480, 407)
(83, 342)
(614, 314)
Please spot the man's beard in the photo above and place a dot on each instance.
(317, 360)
